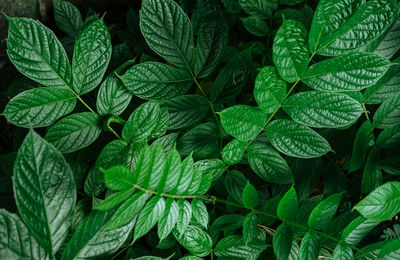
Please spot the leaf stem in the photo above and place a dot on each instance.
(365, 111)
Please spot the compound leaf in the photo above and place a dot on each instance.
(67, 17)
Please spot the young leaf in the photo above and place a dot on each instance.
(309, 247)
(242, 122)
(288, 206)
(388, 114)
(296, 140)
(381, 204)
(195, 240)
(290, 51)
(267, 163)
(323, 213)
(39, 107)
(249, 228)
(282, 241)
(67, 17)
(269, 89)
(44, 191)
(168, 32)
(356, 230)
(36, 52)
(74, 132)
(348, 72)
(322, 109)
(362, 141)
(250, 196)
(233, 246)
(255, 25)
(156, 81)
(233, 151)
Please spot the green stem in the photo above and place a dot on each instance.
(365, 111)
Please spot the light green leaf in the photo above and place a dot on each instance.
(212, 38)
(267, 163)
(39, 107)
(243, 122)
(356, 230)
(168, 32)
(185, 215)
(115, 199)
(250, 196)
(215, 167)
(67, 17)
(250, 231)
(388, 114)
(234, 246)
(381, 204)
(37, 53)
(200, 213)
(45, 191)
(186, 110)
(309, 247)
(118, 178)
(149, 216)
(269, 89)
(322, 109)
(260, 8)
(195, 240)
(16, 240)
(342, 253)
(169, 218)
(288, 206)
(290, 51)
(323, 213)
(255, 25)
(372, 176)
(348, 72)
(74, 132)
(282, 241)
(233, 151)
(156, 81)
(362, 141)
(296, 140)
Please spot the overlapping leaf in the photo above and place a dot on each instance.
(67, 17)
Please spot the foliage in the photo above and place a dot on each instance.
(281, 146)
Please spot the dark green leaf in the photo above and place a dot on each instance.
(195, 240)
(234, 246)
(250, 231)
(372, 176)
(255, 25)
(67, 17)
(362, 141)
(388, 114)
(250, 196)
(309, 247)
(113, 98)
(282, 241)
(323, 213)
(288, 206)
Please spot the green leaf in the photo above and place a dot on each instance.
(373, 16)
(250, 231)
(309, 247)
(290, 51)
(381, 204)
(168, 32)
(288, 206)
(113, 98)
(200, 213)
(212, 38)
(37, 53)
(270, 206)
(250, 196)
(282, 241)
(39, 107)
(234, 246)
(118, 178)
(45, 192)
(255, 25)
(389, 137)
(269, 89)
(228, 222)
(149, 216)
(267, 163)
(388, 114)
(184, 217)
(234, 151)
(235, 182)
(391, 250)
(296, 140)
(342, 253)
(385, 88)
(322, 109)
(92, 239)
(156, 81)
(328, 18)
(243, 122)
(141, 122)
(348, 72)
(372, 176)
(115, 199)
(74, 132)
(323, 213)
(260, 8)
(16, 240)
(362, 141)
(195, 240)
(186, 110)
(67, 17)
(169, 218)
(356, 230)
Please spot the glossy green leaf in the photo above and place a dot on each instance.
(168, 32)
(234, 183)
(362, 141)
(74, 132)
(388, 114)
(16, 240)
(233, 151)
(290, 52)
(295, 139)
(234, 246)
(267, 163)
(323, 213)
(185, 215)
(200, 213)
(44, 191)
(342, 252)
(348, 72)
(250, 196)
(149, 216)
(155, 81)
(67, 17)
(255, 25)
(372, 176)
(115, 199)
(195, 240)
(269, 89)
(390, 251)
(309, 247)
(169, 218)
(356, 230)
(288, 206)
(243, 122)
(322, 109)
(37, 53)
(282, 241)
(186, 110)
(249, 228)
(381, 204)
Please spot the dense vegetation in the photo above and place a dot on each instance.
(250, 129)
